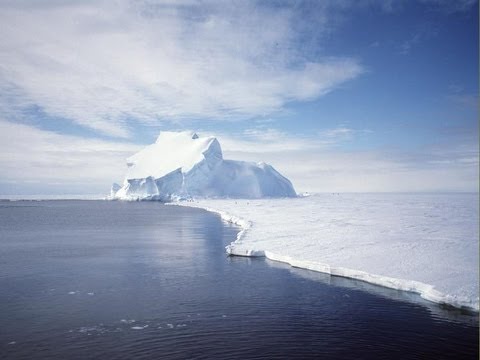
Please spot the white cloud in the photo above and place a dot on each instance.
(270, 140)
(101, 63)
(319, 164)
(33, 156)
(50, 163)
(261, 140)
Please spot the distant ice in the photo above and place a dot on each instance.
(42, 197)
(184, 165)
(139, 327)
(423, 243)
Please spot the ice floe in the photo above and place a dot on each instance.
(422, 243)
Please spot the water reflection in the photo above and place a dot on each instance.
(437, 311)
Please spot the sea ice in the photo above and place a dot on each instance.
(423, 243)
(139, 327)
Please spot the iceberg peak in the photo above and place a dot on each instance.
(172, 151)
(184, 165)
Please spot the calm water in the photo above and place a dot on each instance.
(114, 280)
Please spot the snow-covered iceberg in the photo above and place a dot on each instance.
(184, 165)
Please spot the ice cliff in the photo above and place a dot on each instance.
(184, 165)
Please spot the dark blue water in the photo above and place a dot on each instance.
(115, 280)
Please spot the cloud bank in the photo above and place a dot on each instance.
(320, 163)
(107, 65)
(40, 162)
(43, 162)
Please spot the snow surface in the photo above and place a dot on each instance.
(423, 243)
(171, 151)
(184, 165)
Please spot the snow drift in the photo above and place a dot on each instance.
(182, 165)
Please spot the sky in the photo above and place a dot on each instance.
(338, 95)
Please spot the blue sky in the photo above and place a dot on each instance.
(337, 95)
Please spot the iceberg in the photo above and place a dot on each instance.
(183, 165)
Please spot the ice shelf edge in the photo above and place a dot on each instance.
(426, 291)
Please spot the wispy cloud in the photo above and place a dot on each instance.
(421, 34)
(465, 100)
(316, 163)
(48, 162)
(103, 64)
(263, 139)
(30, 155)
(408, 44)
(373, 171)
(449, 6)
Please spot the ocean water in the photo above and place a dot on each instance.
(116, 280)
